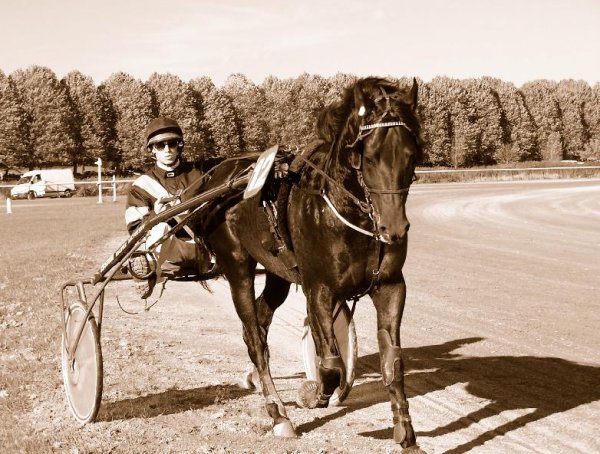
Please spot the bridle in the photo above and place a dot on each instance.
(356, 159)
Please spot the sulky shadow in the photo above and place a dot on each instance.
(170, 402)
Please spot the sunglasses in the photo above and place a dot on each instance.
(159, 146)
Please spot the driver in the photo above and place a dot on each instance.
(170, 181)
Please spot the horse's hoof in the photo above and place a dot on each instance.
(307, 394)
(250, 381)
(414, 449)
(284, 429)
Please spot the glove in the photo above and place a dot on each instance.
(280, 170)
(162, 204)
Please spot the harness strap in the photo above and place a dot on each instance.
(364, 207)
(348, 223)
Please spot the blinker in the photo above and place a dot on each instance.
(355, 160)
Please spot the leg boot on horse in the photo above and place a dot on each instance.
(389, 303)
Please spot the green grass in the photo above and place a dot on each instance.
(45, 243)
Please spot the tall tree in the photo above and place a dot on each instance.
(541, 102)
(519, 138)
(436, 125)
(91, 125)
(591, 150)
(293, 106)
(466, 137)
(249, 102)
(220, 118)
(200, 88)
(133, 107)
(46, 103)
(572, 96)
(16, 148)
(309, 95)
(336, 86)
(488, 121)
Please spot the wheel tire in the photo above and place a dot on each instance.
(31, 195)
(345, 334)
(67, 193)
(83, 376)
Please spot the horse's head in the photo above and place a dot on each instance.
(383, 143)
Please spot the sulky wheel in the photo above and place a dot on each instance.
(83, 374)
(345, 334)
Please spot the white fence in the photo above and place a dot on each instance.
(112, 184)
(520, 169)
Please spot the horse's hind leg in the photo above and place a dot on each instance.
(256, 320)
(389, 302)
(273, 295)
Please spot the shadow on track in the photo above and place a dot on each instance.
(170, 402)
(545, 384)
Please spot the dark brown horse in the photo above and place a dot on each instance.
(348, 228)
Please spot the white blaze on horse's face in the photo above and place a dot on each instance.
(388, 167)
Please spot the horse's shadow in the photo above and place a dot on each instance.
(169, 402)
(545, 384)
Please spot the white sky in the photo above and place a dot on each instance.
(514, 40)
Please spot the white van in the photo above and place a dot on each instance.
(44, 183)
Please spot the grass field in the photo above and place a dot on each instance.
(45, 243)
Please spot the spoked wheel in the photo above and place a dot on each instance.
(345, 335)
(82, 374)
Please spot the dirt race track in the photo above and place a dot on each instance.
(501, 336)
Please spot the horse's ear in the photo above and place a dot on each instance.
(412, 95)
(359, 99)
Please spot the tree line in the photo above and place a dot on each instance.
(46, 121)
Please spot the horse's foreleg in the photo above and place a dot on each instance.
(389, 302)
(332, 370)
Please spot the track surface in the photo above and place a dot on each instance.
(501, 336)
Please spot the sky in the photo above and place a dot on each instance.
(513, 40)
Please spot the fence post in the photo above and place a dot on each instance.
(114, 188)
(8, 206)
(99, 162)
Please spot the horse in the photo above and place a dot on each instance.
(347, 227)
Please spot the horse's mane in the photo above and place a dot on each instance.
(336, 122)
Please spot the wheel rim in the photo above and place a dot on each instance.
(345, 334)
(83, 374)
